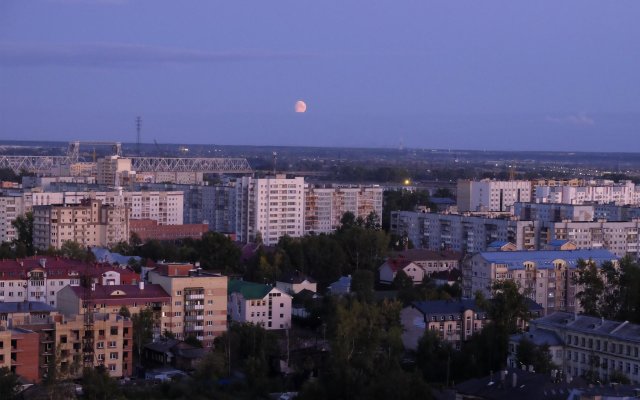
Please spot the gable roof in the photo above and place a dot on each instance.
(118, 293)
(445, 306)
(249, 290)
(295, 277)
(396, 264)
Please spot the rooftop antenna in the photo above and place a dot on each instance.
(138, 127)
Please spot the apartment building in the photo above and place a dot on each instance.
(11, 207)
(491, 195)
(621, 238)
(597, 191)
(587, 346)
(113, 171)
(40, 279)
(110, 299)
(33, 335)
(325, 205)
(453, 321)
(19, 351)
(270, 207)
(90, 223)
(544, 276)
(461, 233)
(259, 304)
(98, 339)
(198, 301)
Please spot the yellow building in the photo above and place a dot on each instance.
(198, 301)
(90, 224)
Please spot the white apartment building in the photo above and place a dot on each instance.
(490, 195)
(10, 208)
(600, 191)
(620, 238)
(90, 224)
(272, 207)
(325, 206)
(259, 304)
(543, 276)
(587, 346)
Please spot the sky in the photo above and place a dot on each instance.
(467, 74)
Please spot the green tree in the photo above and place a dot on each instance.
(24, 234)
(143, 324)
(98, 385)
(362, 284)
(218, 252)
(592, 295)
(124, 312)
(8, 384)
(528, 353)
(74, 250)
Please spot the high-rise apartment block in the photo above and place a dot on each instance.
(599, 191)
(270, 207)
(490, 195)
(325, 205)
(90, 223)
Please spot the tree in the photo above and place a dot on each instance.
(508, 309)
(98, 385)
(73, 250)
(217, 252)
(124, 312)
(592, 294)
(362, 283)
(8, 384)
(538, 356)
(143, 324)
(24, 233)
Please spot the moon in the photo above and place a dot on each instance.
(300, 106)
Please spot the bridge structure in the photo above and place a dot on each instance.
(49, 164)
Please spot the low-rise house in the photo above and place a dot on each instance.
(391, 267)
(172, 352)
(340, 287)
(431, 261)
(293, 283)
(259, 304)
(452, 320)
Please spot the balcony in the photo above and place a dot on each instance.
(194, 307)
(195, 297)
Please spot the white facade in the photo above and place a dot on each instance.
(271, 309)
(490, 195)
(272, 207)
(602, 192)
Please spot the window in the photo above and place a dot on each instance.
(113, 356)
(113, 330)
(112, 344)
(112, 367)
(99, 345)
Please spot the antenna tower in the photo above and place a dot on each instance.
(138, 127)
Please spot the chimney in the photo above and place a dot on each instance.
(141, 285)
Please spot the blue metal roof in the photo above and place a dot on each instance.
(497, 244)
(558, 242)
(545, 258)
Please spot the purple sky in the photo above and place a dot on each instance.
(536, 75)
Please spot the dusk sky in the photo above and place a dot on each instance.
(521, 75)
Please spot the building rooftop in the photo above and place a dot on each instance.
(249, 290)
(118, 292)
(545, 258)
(590, 325)
(427, 255)
(539, 337)
(445, 306)
(295, 277)
(59, 268)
